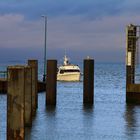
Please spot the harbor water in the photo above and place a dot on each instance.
(109, 119)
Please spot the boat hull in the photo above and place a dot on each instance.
(68, 77)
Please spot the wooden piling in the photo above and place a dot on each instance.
(15, 103)
(51, 82)
(28, 96)
(34, 65)
(88, 91)
(132, 89)
(133, 94)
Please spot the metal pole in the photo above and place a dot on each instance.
(44, 75)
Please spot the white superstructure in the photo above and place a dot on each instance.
(68, 72)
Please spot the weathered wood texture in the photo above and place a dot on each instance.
(15, 103)
(28, 96)
(34, 65)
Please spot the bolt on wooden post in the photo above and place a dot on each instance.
(15, 103)
(88, 91)
(34, 65)
(51, 82)
(28, 96)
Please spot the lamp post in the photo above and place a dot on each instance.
(44, 75)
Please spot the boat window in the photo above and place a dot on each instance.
(61, 71)
(65, 71)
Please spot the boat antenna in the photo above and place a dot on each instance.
(65, 52)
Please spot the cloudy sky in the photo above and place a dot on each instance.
(83, 27)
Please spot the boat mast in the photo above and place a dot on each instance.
(66, 61)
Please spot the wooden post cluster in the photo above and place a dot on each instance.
(88, 83)
(20, 104)
(51, 82)
(22, 93)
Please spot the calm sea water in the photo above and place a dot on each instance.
(109, 119)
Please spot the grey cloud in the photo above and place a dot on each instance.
(104, 38)
(89, 8)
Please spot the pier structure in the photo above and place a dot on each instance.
(51, 82)
(88, 82)
(132, 89)
(22, 89)
(41, 86)
(22, 93)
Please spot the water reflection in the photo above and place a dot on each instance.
(51, 123)
(88, 108)
(131, 121)
(29, 130)
(51, 110)
(43, 124)
(28, 133)
(88, 120)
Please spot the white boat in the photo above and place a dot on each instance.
(68, 72)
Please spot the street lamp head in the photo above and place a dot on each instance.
(44, 16)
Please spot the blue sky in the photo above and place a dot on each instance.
(82, 27)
